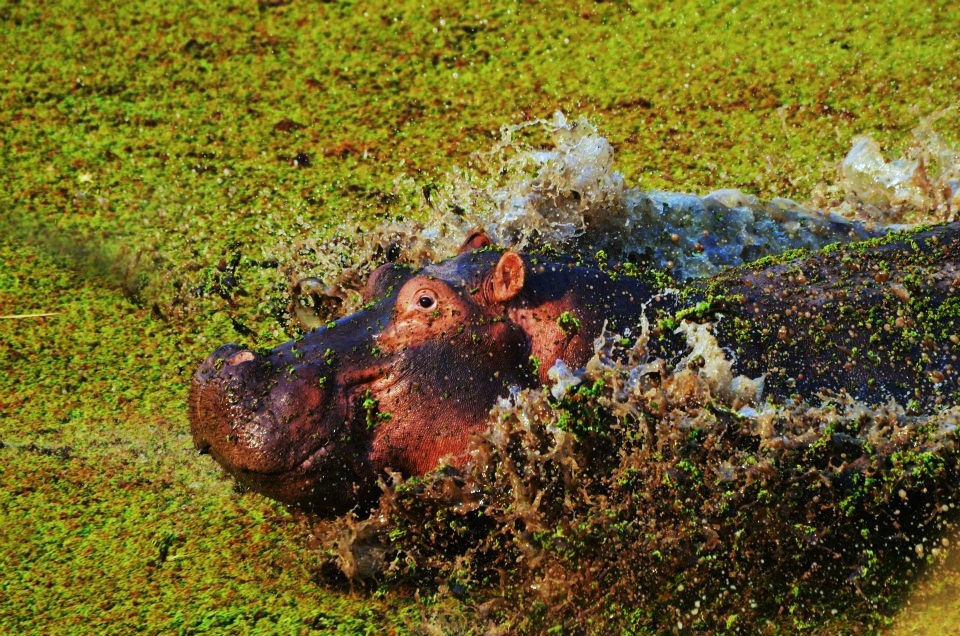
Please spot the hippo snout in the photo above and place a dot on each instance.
(256, 416)
(220, 380)
(277, 423)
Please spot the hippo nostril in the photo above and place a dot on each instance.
(240, 356)
(224, 357)
(225, 351)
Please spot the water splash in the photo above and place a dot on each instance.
(566, 192)
(570, 195)
(922, 186)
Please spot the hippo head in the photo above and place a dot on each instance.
(399, 385)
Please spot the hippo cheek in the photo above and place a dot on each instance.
(440, 395)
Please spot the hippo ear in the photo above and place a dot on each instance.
(507, 279)
(476, 240)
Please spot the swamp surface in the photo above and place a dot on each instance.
(168, 171)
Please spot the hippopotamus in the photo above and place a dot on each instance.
(407, 381)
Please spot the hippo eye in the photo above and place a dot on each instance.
(426, 300)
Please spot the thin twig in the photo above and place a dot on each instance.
(18, 316)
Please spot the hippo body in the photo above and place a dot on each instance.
(878, 320)
(410, 378)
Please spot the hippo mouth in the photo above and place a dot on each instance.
(314, 458)
(319, 475)
(219, 425)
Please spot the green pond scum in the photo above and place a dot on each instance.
(162, 166)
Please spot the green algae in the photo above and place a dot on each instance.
(156, 158)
